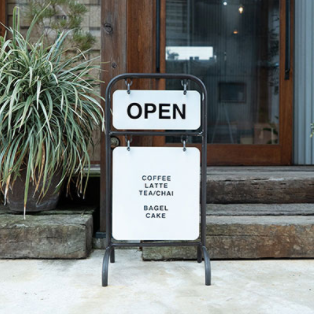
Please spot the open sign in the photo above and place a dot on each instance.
(151, 110)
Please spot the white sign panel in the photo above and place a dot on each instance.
(156, 110)
(155, 193)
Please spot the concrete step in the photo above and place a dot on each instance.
(251, 232)
(62, 233)
(270, 185)
(260, 210)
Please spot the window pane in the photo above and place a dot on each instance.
(233, 47)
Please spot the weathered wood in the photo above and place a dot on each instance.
(60, 210)
(260, 210)
(286, 88)
(46, 236)
(141, 40)
(3, 16)
(260, 185)
(113, 57)
(161, 84)
(141, 48)
(249, 238)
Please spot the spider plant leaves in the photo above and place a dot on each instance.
(49, 109)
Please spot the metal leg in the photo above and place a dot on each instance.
(199, 254)
(105, 266)
(112, 255)
(207, 267)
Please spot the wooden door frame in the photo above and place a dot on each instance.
(257, 155)
(127, 45)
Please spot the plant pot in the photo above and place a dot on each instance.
(15, 197)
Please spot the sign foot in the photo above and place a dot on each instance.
(207, 267)
(105, 266)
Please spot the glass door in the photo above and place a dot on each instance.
(240, 49)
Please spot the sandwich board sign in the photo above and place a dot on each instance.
(155, 193)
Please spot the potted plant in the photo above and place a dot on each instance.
(49, 107)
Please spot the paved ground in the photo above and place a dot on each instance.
(73, 286)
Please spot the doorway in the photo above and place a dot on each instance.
(241, 49)
(242, 53)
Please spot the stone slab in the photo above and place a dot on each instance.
(249, 237)
(260, 209)
(46, 236)
(66, 210)
(272, 185)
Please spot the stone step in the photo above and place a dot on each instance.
(270, 185)
(260, 210)
(251, 232)
(65, 233)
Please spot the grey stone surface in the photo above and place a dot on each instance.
(285, 170)
(60, 210)
(136, 287)
(100, 244)
(249, 237)
(260, 209)
(271, 185)
(46, 236)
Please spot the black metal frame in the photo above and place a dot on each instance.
(110, 244)
(288, 41)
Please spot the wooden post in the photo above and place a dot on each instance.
(141, 50)
(122, 20)
(113, 57)
(3, 16)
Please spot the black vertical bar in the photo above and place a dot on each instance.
(158, 36)
(287, 43)
(108, 167)
(204, 166)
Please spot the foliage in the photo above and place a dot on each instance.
(48, 111)
(58, 16)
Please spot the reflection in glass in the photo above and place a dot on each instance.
(189, 53)
(233, 47)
